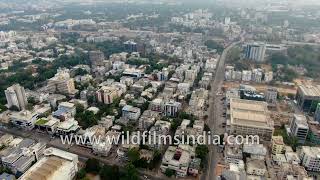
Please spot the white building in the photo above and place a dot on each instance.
(310, 157)
(131, 113)
(256, 52)
(246, 75)
(56, 164)
(16, 96)
(177, 159)
(299, 127)
(24, 119)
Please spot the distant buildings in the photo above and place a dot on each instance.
(299, 127)
(130, 46)
(16, 97)
(308, 97)
(171, 108)
(249, 117)
(256, 52)
(96, 58)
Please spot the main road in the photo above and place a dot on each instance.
(215, 112)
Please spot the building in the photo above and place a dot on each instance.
(69, 126)
(56, 164)
(310, 158)
(268, 76)
(314, 132)
(278, 146)
(249, 117)
(96, 58)
(24, 119)
(317, 113)
(62, 83)
(106, 94)
(256, 52)
(147, 119)
(256, 167)
(299, 127)
(16, 96)
(177, 159)
(171, 108)
(308, 97)
(131, 113)
(65, 110)
(130, 46)
(21, 156)
(271, 95)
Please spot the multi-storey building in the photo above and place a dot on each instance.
(62, 83)
(278, 146)
(249, 117)
(299, 127)
(256, 52)
(16, 96)
(308, 96)
(310, 157)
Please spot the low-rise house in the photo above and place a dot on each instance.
(24, 119)
(177, 159)
(122, 151)
(130, 112)
(256, 167)
(65, 110)
(194, 167)
(47, 125)
(69, 126)
(147, 119)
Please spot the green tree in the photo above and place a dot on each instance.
(92, 166)
(133, 155)
(170, 172)
(81, 174)
(109, 172)
(131, 172)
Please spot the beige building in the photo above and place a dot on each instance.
(256, 167)
(249, 117)
(278, 146)
(106, 94)
(62, 83)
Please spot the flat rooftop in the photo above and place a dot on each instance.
(310, 90)
(250, 113)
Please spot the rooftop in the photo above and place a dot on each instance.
(310, 90)
(250, 113)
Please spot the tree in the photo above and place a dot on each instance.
(133, 155)
(81, 173)
(170, 172)
(202, 152)
(131, 172)
(211, 44)
(109, 172)
(92, 166)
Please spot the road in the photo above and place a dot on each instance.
(215, 112)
